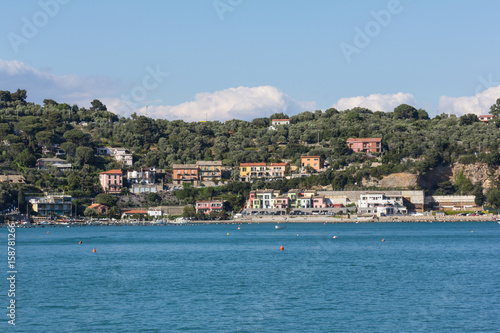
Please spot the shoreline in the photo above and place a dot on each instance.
(285, 220)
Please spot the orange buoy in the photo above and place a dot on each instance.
(80, 242)
(383, 240)
(281, 248)
(334, 237)
(47, 232)
(93, 250)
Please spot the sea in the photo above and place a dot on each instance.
(329, 277)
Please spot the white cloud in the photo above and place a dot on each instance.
(376, 102)
(478, 104)
(234, 103)
(241, 103)
(41, 84)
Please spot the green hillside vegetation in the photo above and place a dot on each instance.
(411, 140)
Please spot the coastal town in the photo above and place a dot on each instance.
(266, 204)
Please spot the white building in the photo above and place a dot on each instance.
(119, 154)
(155, 212)
(305, 202)
(52, 205)
(379, 204)
(143, 176)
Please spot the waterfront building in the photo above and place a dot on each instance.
(52, 205)
(130, 213)
(208, 206)
(366, 145)
(100, 209)
(380, 204)
(452, 202)
(111, 181)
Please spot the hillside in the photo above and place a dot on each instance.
(446, 154)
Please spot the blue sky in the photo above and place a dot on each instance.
(224, 59)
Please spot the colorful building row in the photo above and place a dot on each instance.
(208, 171)
(252, 171)
(272, 199)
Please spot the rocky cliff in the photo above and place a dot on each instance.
(478, 172)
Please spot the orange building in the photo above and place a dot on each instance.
(314, 162)
(366, 145)
(184, 173)
(111, 181)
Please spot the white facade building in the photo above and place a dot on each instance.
(379, 204)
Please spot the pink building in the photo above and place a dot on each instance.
(319, 202)
(111, 181)
(366, 145)
(277, 170)
(207, 206)
(282, 202)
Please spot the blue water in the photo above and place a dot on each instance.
(426, 277)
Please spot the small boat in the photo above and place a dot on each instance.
(280, 226)
(179, 220)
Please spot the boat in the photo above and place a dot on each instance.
(179, 220)
(280, 226)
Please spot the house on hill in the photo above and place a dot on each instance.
(111, 181)
(366, 145)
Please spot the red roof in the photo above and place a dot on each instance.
(280, 120)
(135, 212)
(310, 156)
(279, 164)
(96, 205)
(364, 139)
(112, 172)
(252, 164)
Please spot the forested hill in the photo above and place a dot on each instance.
(412, 142)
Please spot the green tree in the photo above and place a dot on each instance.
(97, 105)
(106, 199)
(19, 95)
(189, 211)
(84, 155)
(114, 213)
(405, 111)
(495, 108)
(49, 102)
(478, 193)
(493, 197)
(90, 212)
(26, 159)
(75, 136)
(468, 119)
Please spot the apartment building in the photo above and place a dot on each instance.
(366, 145)
(52, 205)
(111, 181)
(252, 171)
